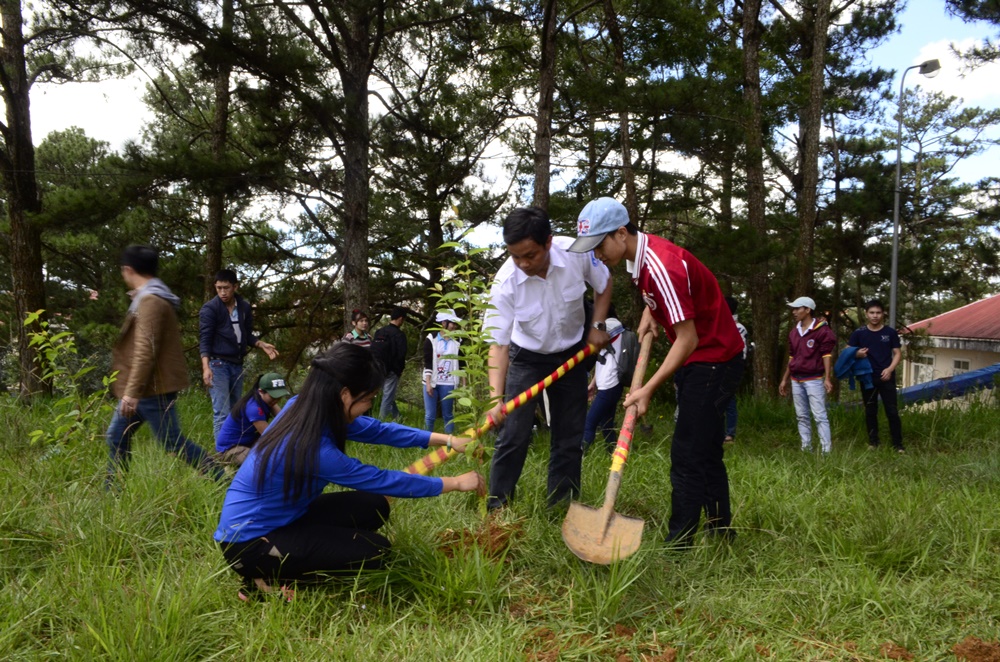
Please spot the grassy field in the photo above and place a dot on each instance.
(861, 555)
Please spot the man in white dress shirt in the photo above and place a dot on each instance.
(537, 323)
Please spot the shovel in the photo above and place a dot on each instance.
(600, 535)
(426, 464)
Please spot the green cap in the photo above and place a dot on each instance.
(274, 385)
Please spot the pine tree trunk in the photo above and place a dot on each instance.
(215, 231)
(810, 121)
(354, 79)
(765, 333)
(543, 119)
(17, 162)
(628, 173)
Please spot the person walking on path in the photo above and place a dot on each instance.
(389, 346)
(809, 370)
(249, 417)
(440, 363)
(880, 345)
(225, 336)
(538, 320)
(149, 360)
(705, 359)
(279, 525)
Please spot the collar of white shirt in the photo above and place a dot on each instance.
(557, 259)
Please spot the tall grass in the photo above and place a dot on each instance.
(836, 557)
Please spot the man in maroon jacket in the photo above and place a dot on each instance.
(810, 347)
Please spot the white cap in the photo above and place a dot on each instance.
(803, 301)
(446, 316)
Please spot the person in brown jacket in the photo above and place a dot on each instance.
(151, 369)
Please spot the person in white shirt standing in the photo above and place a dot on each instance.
(440, 363)
(605, 390)
(538, 321)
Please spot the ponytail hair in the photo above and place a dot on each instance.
(295, 438)
(252, 394)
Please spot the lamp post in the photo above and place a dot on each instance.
(927, 68)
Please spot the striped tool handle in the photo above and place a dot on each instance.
(440, 455)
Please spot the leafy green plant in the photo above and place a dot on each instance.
(75, 413)
(467, 292)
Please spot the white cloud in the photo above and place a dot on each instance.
(977, 87)
(111, 110)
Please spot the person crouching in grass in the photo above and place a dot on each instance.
(249, 417)
(278, 525)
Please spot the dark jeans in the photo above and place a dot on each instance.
(160, 411)
(335, 535)
(697, 472)
(602, 415)
(388, 409)
(887, 392)
(568, 410)
(731, 418)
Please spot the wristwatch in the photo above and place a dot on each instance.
(600, 326)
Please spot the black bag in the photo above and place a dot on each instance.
(628, 356)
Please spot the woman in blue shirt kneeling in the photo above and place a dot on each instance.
(277, 525)
(249, 417)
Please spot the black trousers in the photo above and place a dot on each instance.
(568, 408)
(698, 475)
(886, 391)
(335, 535)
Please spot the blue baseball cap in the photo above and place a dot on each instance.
(597, 219)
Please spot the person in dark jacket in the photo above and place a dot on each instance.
(277, 523)
(389, 347)
(225, 336)
(880, 345)
(810, 352)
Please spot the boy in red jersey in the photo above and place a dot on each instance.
(705, 358)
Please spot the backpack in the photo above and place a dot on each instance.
(627, 357)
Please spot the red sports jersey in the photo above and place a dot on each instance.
(677, 287)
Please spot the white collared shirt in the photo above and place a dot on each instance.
(606, 372)
(544, 315)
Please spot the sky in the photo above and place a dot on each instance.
(113, 111)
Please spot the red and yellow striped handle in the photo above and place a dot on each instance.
(620, 455)
(440, 455)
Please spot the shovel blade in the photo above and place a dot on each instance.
(595, 538)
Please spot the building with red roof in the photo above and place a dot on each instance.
(960, 340)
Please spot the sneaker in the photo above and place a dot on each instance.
(872, 447)
(729, 439)
(901, 450)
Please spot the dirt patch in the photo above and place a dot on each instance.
(762, 650)
(894, 651)
(492, 538)
(977, 650)
(666, 655)
(542, 646)
(623, 631)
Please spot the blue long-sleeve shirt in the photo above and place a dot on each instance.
(248, 513)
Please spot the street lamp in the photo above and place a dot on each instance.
(928, 68)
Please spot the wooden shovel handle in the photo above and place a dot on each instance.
(426, 464)
(620, 455)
